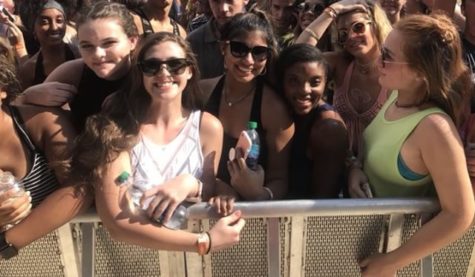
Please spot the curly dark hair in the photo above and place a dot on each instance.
(8, 79)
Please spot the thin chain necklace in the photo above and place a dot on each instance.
(240, 99)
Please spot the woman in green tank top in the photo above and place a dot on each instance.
(412, 147)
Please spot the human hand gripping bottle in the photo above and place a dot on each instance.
(253, 155)
(8, 182)
(134, 194)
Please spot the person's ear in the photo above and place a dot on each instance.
(133, 42)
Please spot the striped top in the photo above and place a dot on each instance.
(40, 180)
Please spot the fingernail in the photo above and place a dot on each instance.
(238, 213)
(28, 193)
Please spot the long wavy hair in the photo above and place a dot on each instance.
(116, 128)
(433, 46)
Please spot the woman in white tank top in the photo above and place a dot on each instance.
(153, 130)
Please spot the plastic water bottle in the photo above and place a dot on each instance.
(8, 182)
(253, 156)
(136, 190)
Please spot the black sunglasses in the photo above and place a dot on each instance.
(357, 28)
(316, 8)
(153, 66)
(241, 50)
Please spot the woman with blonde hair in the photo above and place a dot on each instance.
(361, 27)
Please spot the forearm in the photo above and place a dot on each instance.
(139, 230)
(434, 235)
(313, 32)
(56, 210)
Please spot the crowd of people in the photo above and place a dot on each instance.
(351, 99)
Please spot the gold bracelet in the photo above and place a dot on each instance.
(331, 12)
(311, 33)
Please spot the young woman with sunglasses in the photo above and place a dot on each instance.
(362, 27)
(412, 147)
(242, 95)
(33, 142)
(49, 28)
(153, 16)
(107, 35)
(153, 130)
(320, 143)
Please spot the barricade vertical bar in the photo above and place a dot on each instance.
(88, 246)
(471, 264)
(194, 262)
(394, 235)
(427, 269)
(297, 242)
(68, 255)
(273, 247)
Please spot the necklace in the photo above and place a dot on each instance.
(364, 68)
(231, 103)
(406, 106)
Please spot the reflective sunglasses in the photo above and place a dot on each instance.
(316, 8)
(357, 28)
(386, 58)
(153, 66)
(241, 50)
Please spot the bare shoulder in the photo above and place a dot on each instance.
(69, 72)
(207, 86)
(436, 128)
(210, 125)
(26, 71)
(182, 30)
(44, 122)
(275, 113)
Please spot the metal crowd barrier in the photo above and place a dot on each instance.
(281, 238)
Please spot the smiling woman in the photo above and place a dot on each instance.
(49, 28)
(242, 95)
(153, 131)
(107, 35)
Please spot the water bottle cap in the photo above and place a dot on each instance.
(252, 125)
(123, 177)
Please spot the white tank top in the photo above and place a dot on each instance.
(153, 164)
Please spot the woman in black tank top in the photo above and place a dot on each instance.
(32, 139)
(49, 28)
(107, 36)
(241, 95)
(320, 143)
(153, 17)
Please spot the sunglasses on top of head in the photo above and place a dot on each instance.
(316, 8)
(152, 66)
(241, 50)
(357, 28)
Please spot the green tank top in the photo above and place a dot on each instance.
(383, 140)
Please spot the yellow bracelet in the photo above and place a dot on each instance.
(311, 33)
(331, 12)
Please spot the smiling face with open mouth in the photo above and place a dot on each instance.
(50, 27)
(304, 84)
(356, 33)
(165, 71)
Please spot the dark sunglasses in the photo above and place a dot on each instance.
(386, 58)
(153, 66)
(316, 8)
(241, 50)
(357, 28)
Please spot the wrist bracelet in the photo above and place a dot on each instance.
(269, 191)
(311, 33)
(331, 12)
(209, 246)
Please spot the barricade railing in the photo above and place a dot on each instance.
(281, 238)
